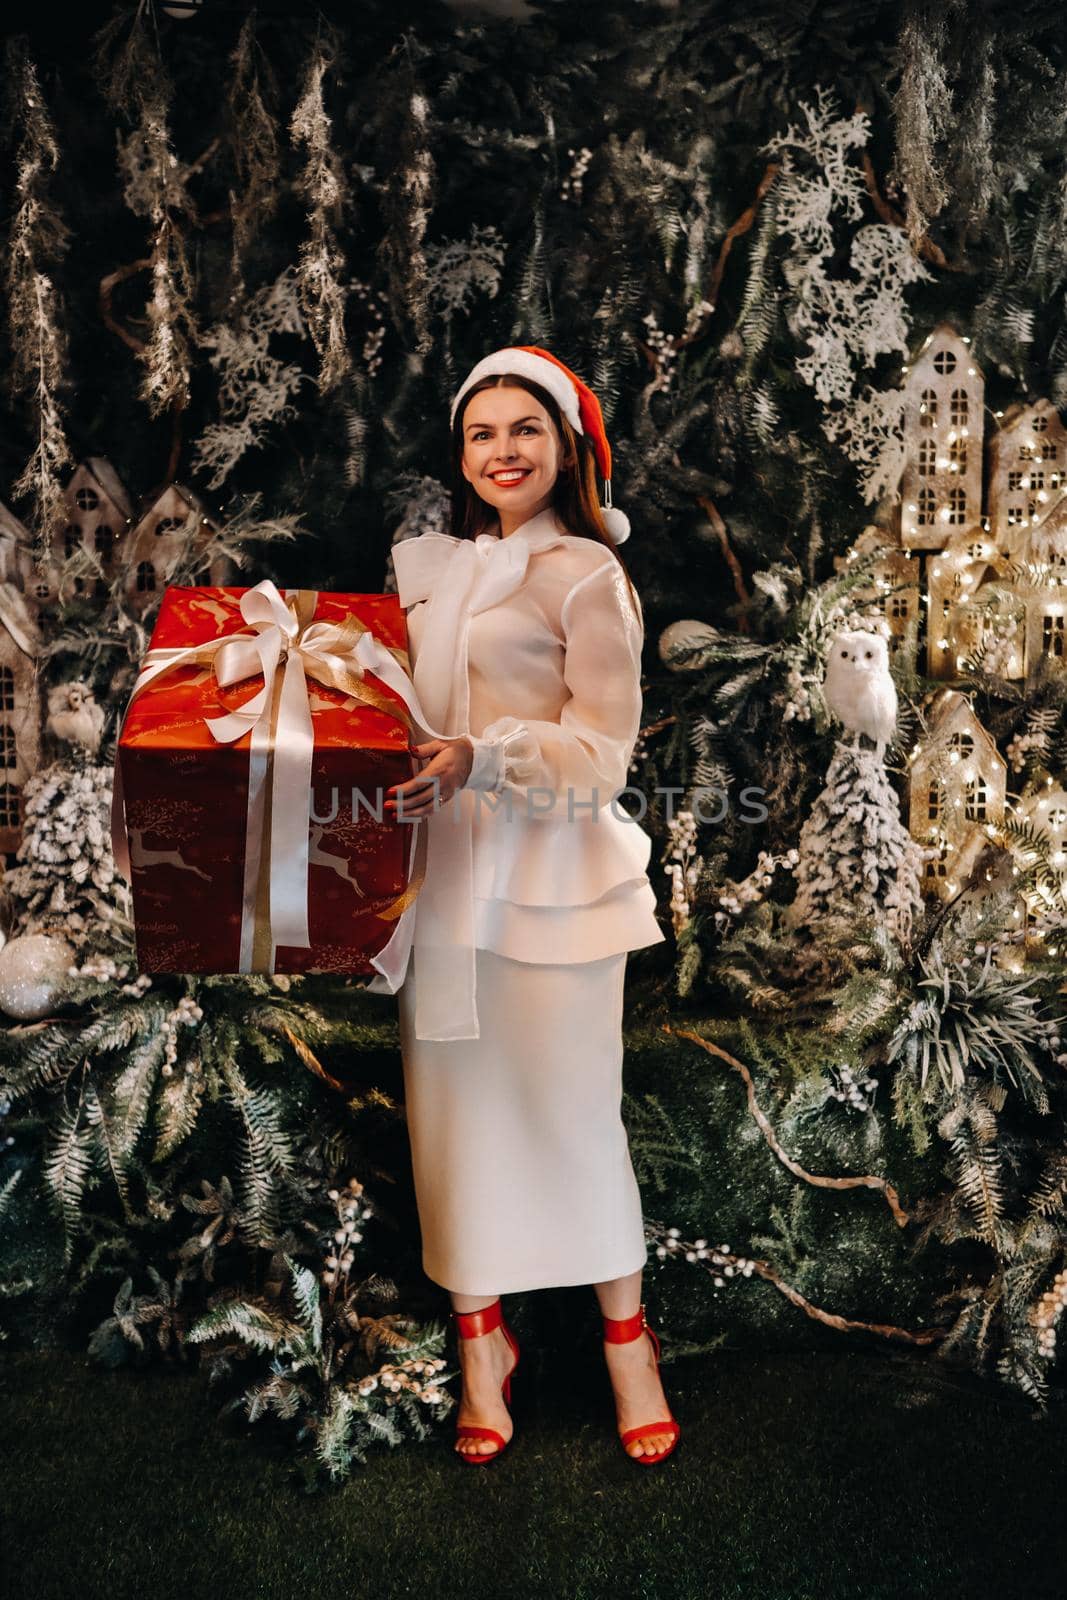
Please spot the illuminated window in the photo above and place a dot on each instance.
(928, 408)
(957, 454)
(938, 867)
(935, 801)
(1015, 481)
(976, 803)
(1057, 819)
(1052, 636)
(10, 806)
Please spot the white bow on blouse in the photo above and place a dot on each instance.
(459, 578)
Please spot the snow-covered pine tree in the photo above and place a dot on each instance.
(857, 859)
(65, 872)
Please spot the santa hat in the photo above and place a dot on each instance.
(575, 399)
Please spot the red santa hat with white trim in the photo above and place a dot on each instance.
(575, 399)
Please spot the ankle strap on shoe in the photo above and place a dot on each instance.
(472, 1323)
(621, 1330)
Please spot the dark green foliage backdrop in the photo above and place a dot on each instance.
(607, 181)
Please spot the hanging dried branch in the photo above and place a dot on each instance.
(900, 1216)
(322, 182)
(38, 240)
(133, 81)
(922, 107)
(406, 209)
(253, 141)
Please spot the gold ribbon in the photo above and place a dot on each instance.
(281, 635)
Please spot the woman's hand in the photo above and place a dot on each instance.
(435, 783)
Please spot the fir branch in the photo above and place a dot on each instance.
(67, 1164)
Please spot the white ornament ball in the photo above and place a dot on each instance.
(685, 633)
(617, 523)
(33, 970)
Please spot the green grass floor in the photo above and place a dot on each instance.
(808, 1476)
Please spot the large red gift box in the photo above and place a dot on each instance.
(207, 826)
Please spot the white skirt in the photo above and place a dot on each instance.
(522, 1169)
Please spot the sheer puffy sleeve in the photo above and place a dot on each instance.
(586, 755)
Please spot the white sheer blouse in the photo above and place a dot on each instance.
(542, 644)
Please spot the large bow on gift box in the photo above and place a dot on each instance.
(282, 634)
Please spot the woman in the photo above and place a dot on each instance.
(525, 636)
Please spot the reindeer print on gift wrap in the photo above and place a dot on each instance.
(142, 859)
(221, 612)
(172, 824)
(336, 864)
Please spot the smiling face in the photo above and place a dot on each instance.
(511, 453)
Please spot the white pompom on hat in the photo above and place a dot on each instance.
(575, 399)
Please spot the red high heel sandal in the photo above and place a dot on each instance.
(622, 1330)
(469, 1325)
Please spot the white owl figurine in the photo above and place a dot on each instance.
(858, 687)
(75, 716)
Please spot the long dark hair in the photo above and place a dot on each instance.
(575, 500)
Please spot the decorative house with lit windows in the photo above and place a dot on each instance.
(87, 550)
(941, 485)
(1045, 810)
(1046, 542)
(1015, 608)
(1027, 456)
(160, 539)
(971, 606)
(20, 707)
(957, 780)
(16, 546)
(94, 549)
(894, 584)
(1042, 583)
